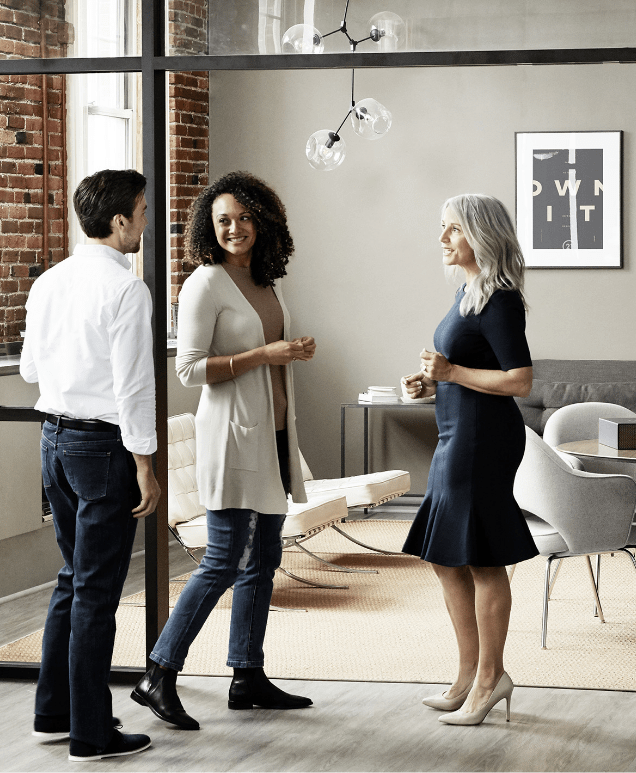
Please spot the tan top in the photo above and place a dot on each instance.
(266, 305)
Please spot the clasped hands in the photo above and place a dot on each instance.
(282, 352)
(434, 367)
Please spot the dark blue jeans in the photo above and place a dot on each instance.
(91, 483)
(244, 549)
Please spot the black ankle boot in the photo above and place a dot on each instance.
(158, 691)
(251, 687)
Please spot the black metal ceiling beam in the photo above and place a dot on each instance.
(323, 61)
(398, 59)
(70, 65)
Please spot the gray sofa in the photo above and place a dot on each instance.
(563, 382)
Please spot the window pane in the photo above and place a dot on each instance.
(31, 29)
(107, 143)
(234, 27)
(41, 164)
(51, 134)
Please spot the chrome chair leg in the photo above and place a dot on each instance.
(546, 596)
(629, 553)
(311, 582)
(337, 567)
(557, 569)
(273, 608)
(592, 580)
(598, 580)
(363, 545)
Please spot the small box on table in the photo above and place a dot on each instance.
(617, 433)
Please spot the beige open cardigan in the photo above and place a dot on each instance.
(237, 462)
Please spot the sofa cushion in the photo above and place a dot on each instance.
(564, 382)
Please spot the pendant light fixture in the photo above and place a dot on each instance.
(325, 149)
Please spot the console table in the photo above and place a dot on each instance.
(366, 407)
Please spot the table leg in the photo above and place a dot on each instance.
(342, 441)
(366, 445)
(366, 439)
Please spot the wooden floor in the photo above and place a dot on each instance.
(353, 726)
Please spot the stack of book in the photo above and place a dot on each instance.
(379, 394)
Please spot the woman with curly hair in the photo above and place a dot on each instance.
(233, 340)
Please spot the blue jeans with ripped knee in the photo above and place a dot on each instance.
(244, 550)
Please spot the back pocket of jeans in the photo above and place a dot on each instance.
(243, 447)
(87, 472)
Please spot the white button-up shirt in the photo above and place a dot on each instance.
(88, 344)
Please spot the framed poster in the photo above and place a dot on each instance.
(569, 199)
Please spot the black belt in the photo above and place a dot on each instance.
(92, 425)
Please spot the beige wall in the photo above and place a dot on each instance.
(366, 279)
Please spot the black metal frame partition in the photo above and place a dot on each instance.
(153, 65)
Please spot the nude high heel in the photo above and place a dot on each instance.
(442, 703)
(503, 690)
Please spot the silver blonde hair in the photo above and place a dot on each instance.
(489, 232)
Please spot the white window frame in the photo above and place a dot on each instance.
(79, 108)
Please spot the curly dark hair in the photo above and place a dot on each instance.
(274, 244)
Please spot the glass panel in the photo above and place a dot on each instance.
(234, 27)
(92, 122)
(30, 29)
(108, 142)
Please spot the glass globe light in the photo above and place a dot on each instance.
(370, 119)
(325, 150)
(388, 29)
(302, 39)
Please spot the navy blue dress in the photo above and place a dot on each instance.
(469, 514)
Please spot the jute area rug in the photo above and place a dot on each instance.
(393, 626)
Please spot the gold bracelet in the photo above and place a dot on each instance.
(232, 367)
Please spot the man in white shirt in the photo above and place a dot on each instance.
(88, 344)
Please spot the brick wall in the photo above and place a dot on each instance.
(24, 250)
(189, 126)
(189, 142)
(27, 143)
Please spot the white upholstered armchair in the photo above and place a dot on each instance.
(572, 512)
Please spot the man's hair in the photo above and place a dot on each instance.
(103, 195)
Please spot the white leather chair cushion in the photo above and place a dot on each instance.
(302, 519)
(194, 533)
(363, 490)
(310, 518)
(183, 493)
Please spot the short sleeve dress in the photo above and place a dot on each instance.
(469, 515)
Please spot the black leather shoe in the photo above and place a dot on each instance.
(120, 745)
(56, 728)
(158, 691)
(251, 687)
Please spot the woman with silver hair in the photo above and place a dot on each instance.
(469, 526)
